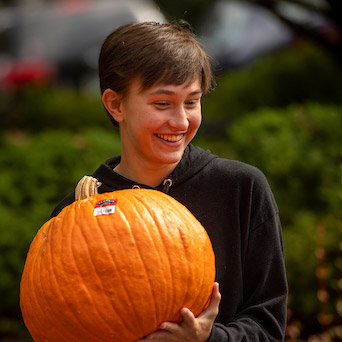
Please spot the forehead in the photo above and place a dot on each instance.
(190, 86)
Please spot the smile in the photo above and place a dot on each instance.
(170, 137)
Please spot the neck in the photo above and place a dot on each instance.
(151, 176)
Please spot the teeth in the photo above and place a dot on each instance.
(168, 137)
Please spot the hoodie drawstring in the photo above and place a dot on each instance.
(167, 185)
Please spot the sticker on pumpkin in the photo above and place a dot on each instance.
(105, 207)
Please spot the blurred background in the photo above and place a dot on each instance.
(277, 105)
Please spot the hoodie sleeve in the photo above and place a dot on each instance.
(262, 314)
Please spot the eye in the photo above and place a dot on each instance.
(192, 103)
(161, 104)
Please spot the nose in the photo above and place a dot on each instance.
(179, 119)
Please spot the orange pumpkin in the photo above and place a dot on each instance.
(113, 267)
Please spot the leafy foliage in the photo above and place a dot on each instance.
(36, 172)
(35, 109)
(280, 79)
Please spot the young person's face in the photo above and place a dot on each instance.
(158, 123)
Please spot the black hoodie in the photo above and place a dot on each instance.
(234, 203)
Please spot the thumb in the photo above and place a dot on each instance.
(213, 308)
(215, 296)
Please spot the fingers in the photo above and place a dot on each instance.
(161, 334)
(170, 327)
(188, 320)
(191, 326)
(188, 317)
(215, 299)
(215, 296)
(213, 308)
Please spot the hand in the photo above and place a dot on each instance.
(191, 329)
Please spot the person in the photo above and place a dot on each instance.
(152, 79)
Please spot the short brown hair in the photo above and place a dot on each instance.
(155, 53)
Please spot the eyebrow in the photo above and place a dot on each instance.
(170, 92)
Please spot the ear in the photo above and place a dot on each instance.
(112, 101)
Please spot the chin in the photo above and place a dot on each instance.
(171, 158)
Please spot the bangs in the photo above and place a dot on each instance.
(175, 75)
(171, 57)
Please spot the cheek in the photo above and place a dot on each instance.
(195, 120)
(151, 123)
(144, 120)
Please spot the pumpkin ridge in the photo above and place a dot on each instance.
(124, 323)
(158, 252)
(206, 245)
(99, 279)
(186, 254)
(69, 242)
(36, 265)
(180, 231)
(28, 303)
(144, 264)
(172, 295)
(49, 236)
(199, 283)
(195, 295)
(161, 227)
(53, 274)
(180, 297)
(124, 218)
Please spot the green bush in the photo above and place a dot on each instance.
(36, 109)
(301, 74)
(36, 172)
(298, 148)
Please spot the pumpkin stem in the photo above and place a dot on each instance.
(86, 187)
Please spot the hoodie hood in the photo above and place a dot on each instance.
(193, 161)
